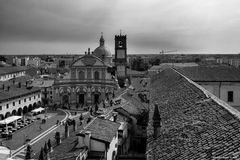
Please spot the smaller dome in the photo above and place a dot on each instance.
(102, 51)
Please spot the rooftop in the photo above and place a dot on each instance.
(11, 69)
(15, 91)
(194, 123)
(102, 129)
(212, 73)
(167, 65)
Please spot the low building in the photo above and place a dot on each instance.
(17, 99)
(20, 61)
(34, 62)
(7, 73)
(223, 81)
(101, 138)
(47, 89)
(188, 122)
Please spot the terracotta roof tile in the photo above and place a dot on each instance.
(194, 126)
(103, 129)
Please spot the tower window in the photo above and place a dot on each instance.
(230, 96)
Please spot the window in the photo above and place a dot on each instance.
(0, 108)
(96, 75)
(29, 98)
(81, 75)
(51, 97)
(230, 96)
(34, 97)
(19, 101)
(24, 99)
(13, 103)
(38, 95)
(7, 106)
(50, 92)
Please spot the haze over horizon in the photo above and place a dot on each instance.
(60, 27)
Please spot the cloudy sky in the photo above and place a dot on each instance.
(72, 26)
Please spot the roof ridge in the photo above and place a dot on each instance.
(209, 95)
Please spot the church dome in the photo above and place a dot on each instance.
(102, 52)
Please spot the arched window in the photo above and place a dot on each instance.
(81, 75)
(96, 75)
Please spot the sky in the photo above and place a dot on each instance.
(73, 26)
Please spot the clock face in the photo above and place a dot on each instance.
(120, 53)
(120, 44)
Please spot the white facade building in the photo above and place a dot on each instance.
(7, 73)
(222, 81)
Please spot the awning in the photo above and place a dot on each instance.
(40, 109)
(4, 152)
(10, 119)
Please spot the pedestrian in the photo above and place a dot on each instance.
(40, 127)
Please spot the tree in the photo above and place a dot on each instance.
(42, 155)
(45, 149)
(49, 145)
(28, 152)
(2, 58)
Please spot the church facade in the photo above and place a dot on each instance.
(89, 81)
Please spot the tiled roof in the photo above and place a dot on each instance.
(194, 123)
(66, 150)
(15, 92)
(11, 69)
(102, 129)
(211, 73)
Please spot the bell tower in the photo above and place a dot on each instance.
(121, 56)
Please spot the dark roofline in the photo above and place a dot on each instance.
(213, 81)
(94, 138)
(100, 140)
(19, 96)
(12, 72)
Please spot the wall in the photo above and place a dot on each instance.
(112, 148)
(97, 146)
(236, 93)
(220, 89)
(11, 75)
(17, 105)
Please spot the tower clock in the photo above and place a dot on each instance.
(121, 55)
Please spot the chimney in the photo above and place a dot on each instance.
(115, 114)
(156, 122)
(87, 139)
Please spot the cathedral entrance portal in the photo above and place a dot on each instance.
(96, 98)
(81, 98)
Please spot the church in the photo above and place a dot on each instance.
(90, 80)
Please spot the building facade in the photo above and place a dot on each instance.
(222, 81)
(7, 73)
(89, 80)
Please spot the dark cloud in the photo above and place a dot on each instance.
(151, 25)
